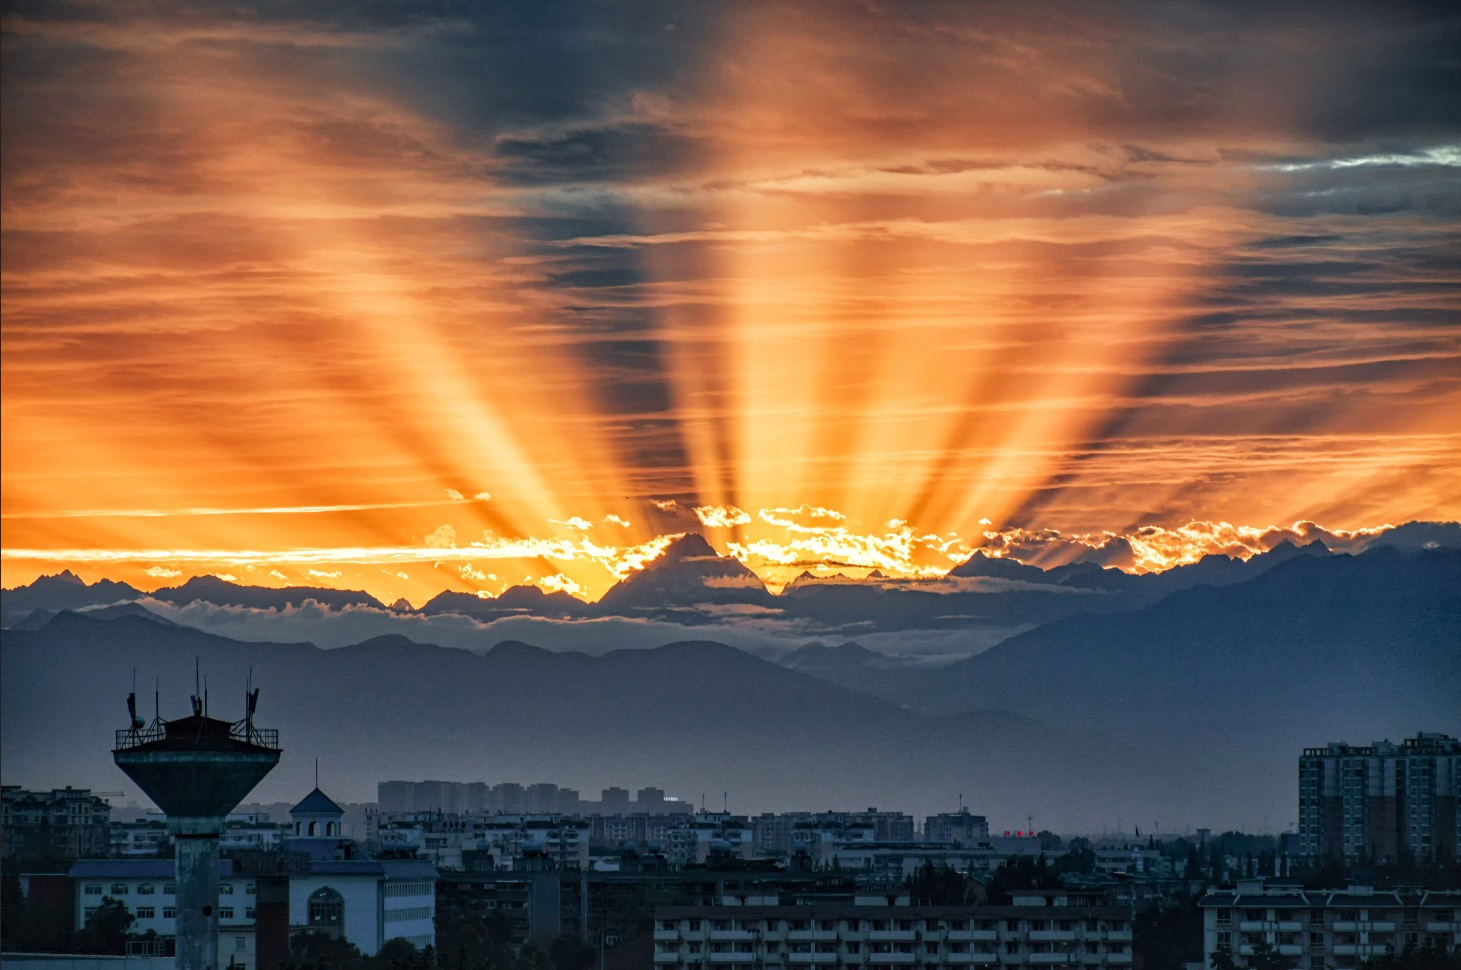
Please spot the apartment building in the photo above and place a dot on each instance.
(1329, 929)
(960, 826)
(1381, 800)
(1028, 934)
(68, 823)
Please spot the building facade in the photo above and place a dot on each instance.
(334, 887)
(1382, 800)
(883, 937)
(68, 823)
(1328, 929)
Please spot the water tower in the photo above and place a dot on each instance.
(196, 769)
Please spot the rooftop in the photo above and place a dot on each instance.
(317, 803)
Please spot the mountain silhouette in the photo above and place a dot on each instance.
(211, 589)
(689, 573)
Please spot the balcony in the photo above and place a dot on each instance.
(1119, 957)
(1437, 927)
(1290, 949)
(738, 957)
(1382, 926)
(1252, 926)
(1119, 936)
(732, 936)
(809, 959)
(1345, 926)
(1290, 926)
(666, 935)
(1053, 936)
(802, 936)
(671, 956)
(1048, 959)
(1344, 949)
(892, 936)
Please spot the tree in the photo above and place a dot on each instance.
(1080, 858)
(1433, 955)
(106, 928)
(571, 953)
(1267, 957)
(400, 954)
(1021, 873)
(1222, 959)
(323, 951)
(532, 957)
(932, 885)
(1168, 938)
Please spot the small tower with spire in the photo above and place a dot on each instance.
(317, 816)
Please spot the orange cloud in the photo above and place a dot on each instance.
(916, 269)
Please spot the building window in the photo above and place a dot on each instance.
(326, 909)
(169, 889)
(248, 912)
(225, 912)
(146, 889)
(119, 889)
(240, 943)
(93, 890)
(225, 889)
(146, 912)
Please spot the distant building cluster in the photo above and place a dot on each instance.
(888, 843)
(1382, 801)
(836, 888)
(544, 798)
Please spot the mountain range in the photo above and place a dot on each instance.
(1190, 706)
(690, 584)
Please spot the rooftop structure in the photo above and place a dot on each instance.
(196, 769)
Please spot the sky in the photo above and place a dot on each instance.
(413, 296)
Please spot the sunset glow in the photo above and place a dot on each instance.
(844, 290)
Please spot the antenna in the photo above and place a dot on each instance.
(157, 698)
(136, 722)
(317, 772)
(197, 697)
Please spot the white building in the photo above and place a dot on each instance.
(1326, 929)
(338, 889)
(884, 937)
(148, 888)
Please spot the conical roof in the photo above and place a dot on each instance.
(317, 803)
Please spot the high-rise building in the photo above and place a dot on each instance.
(1383, 800)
